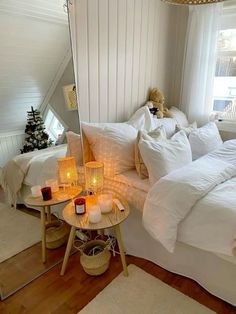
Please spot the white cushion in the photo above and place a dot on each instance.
(112, 144)
(169, 125)
(188, 129)
(142, 119)
(74, 147)
(204, 140)
(157, 135)
(179, 116)
(165, 156)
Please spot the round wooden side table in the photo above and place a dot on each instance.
(62, 196)
(109, 220)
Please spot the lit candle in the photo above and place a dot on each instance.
(105, 203)
(94, 214)
(36, 191)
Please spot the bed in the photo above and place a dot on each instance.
(210, 263)
(214, 271)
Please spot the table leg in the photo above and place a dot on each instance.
(121, 249)
(43, 234)
(48, 211)
(68, 249)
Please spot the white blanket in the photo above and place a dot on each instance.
(196, 204)
(29, 168)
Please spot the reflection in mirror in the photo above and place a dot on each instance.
(39, 123)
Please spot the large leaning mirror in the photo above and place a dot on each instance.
(39, 123)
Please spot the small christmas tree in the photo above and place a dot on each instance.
(37, 137)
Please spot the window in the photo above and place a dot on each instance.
(225, 74)
(55, 127)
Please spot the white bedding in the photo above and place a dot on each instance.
(31, 169)
(43, 165)
(196, 204)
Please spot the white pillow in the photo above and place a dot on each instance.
(156, 135)
(142, 119)
(179, 116)
(112, 144)
(165, 156)
(169, 125)
(204, 140)
(188, 129)
(74, 147)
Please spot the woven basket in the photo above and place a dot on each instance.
(95, 265)
(57, 233)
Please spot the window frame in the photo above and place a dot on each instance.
(66, 128)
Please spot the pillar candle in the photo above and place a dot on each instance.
(105, 203)
(94, 214)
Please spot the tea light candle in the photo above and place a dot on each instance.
(105, 203)
(53, 183)
(36, 191)
(94, 214)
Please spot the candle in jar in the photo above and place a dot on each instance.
(105, 203)
(46, 193)
(36, 191)
(94, 214)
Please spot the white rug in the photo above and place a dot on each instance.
(141, 293)
(18, 231)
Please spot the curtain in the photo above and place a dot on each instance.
(199, 61)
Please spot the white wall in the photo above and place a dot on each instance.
(34, 42)
(10, 145)
(124, 47)
(57, 100)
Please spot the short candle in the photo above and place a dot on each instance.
(94, 214)
(36, 191)
(105, 203)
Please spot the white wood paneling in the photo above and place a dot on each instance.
(34, 42)
(124, 47)
(10, 145)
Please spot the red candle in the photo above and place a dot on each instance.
(80, 205)
(47, 193)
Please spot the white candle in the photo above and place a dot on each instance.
(36, 191)
(53, 183)
(94, 214)
(105, 203)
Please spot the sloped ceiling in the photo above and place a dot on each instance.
(34, 42)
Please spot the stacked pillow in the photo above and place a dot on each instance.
(74, 147)
(148, 144)
(204, 140)
(112, 144)
(155, 135)
(166, 155)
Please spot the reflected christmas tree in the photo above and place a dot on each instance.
(37, 138)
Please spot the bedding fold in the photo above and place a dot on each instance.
(173, 197)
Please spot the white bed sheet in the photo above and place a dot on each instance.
(43, 165)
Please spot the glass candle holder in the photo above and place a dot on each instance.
(105, 202)
(36, 190)
(94, 214)
(46, 193)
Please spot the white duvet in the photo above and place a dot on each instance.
(196, 204)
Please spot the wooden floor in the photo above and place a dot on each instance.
(52, 293)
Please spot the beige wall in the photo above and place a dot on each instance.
(57, 100)
(124, 47)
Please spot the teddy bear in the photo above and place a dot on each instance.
(156, 104)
